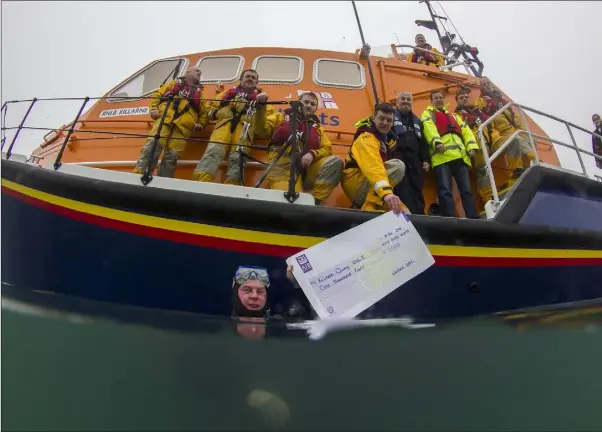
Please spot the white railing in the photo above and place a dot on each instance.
(530, 135)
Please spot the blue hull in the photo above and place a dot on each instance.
(48, 251)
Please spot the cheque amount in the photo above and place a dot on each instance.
(365, 270)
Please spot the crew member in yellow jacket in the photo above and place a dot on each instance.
(186, 113)
(490, 101)
(235, 126)
(320, 171)
(451, 144)
(370, 174)
(473, 116)
(423, 57)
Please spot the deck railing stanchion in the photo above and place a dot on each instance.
(577, 149)
(12, 143)
(57, 162)
(291, 195)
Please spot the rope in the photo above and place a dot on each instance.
(134, 98)
(451, 22)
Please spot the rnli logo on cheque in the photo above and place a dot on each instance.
(304, 263)
(325, 99)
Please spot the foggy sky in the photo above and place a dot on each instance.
(544, 55)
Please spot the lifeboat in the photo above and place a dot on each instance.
(76, 220)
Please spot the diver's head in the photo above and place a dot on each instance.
(250, 292)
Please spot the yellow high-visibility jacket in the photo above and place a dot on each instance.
(455, 147)
(186, 121)
(365, 155)
(268, 124)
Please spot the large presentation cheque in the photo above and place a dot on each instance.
(348, 273)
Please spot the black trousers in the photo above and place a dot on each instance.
(409, 190)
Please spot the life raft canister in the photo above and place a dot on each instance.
(182, 89)
(446, 123)
(308, 129)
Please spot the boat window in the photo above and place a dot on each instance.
(149, 79)
(339, 73)
(279, 69)
(220, 68)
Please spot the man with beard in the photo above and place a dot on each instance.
(320, 171)
(235, 126)
(412, 150)
(185, 114)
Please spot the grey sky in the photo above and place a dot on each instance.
(542, 54)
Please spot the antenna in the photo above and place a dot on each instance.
(366, 51)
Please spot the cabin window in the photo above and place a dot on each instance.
(339, 73)
(220, 68)
(279, 69)
(149, 79)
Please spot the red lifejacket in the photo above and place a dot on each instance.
(240, 92)
(428, 57)
(446, 123)
(309, 130)
(472, 116)
(182, 89)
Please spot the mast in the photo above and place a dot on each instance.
(366, 51)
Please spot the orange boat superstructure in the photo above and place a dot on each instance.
(340, 79)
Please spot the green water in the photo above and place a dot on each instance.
(474, 375)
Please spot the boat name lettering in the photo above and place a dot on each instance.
(124, 111)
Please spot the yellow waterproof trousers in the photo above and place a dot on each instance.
(172, 140)
(223, 141)
(514, 154)
(357, 187)
(321, 176)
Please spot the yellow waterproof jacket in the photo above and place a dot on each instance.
(365, 155)
(506, 123)
(455, 147)
(266, 125)
(225, 114)
(186, 121)
(440, 61)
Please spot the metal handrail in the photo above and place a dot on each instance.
(509, 105)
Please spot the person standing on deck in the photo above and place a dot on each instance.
(186, 113)
(490, 101)
(413, 151)
(474, 117)
(423, 57)
(320, 171)
(452, 144)
(235, 126)
(370, 172)
(597, 142)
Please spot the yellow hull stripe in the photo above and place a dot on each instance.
(290, 240)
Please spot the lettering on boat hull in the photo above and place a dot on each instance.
(124, 112)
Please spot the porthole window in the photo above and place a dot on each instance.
(279, 69)
(149, 79)
(339, 73)
(216, 69)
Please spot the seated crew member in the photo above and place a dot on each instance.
(413, 151)
(321, 172)
(597, 142)
(452, 144)
(370, 173)
(186, 113)
(423, 57)
(474, 117)
(231, 114)
(490, 101)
